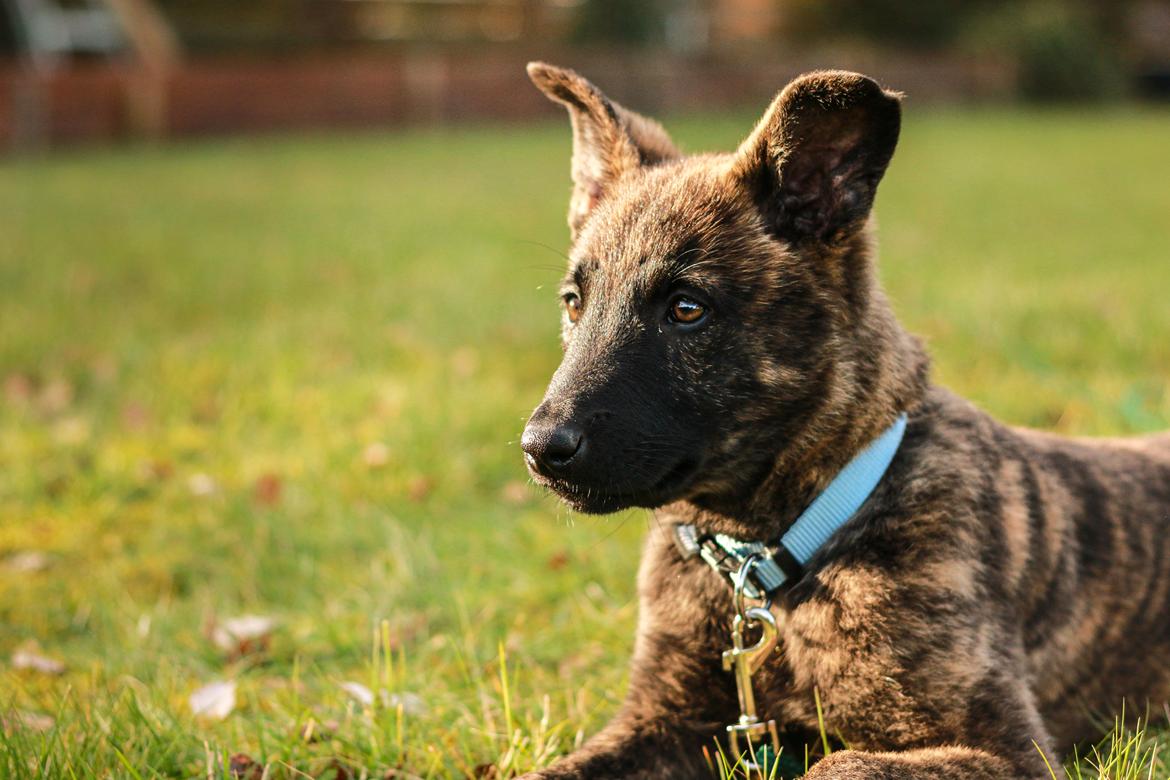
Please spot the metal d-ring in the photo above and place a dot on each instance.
(739, 581)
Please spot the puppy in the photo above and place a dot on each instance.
(969, 594)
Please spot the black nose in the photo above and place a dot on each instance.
(552, 448)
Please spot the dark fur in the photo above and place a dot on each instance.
(999, 588)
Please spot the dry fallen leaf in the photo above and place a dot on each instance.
(249, 626)
(158, 470)
(71, 430)
(242, 635)
(56, 395)
(33, 721)
(18, 388)
(27, 562)
(242, 767)
(205, 410)
(360, 693)
(411, 703)
(135, 417)
(30, 659)
(201, 485)
(267, 490)
(215, 700)
(376, 455)
(419, 488)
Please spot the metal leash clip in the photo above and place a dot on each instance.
(754, 743)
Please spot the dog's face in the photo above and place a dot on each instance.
(707, 298)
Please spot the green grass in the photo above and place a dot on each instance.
(343, 336)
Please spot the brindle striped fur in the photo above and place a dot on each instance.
(1000, 588)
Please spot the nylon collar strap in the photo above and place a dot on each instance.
(784, 561)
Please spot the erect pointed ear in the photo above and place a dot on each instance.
(815, 159)
(608, 140)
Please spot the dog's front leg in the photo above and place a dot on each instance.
(679, 697)
(960, 710)
(941, 763)
(1002, 742)
(631, 748)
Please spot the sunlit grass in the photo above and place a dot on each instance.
(287, 378)
(1126, 752)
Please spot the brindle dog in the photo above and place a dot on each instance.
(728, 350)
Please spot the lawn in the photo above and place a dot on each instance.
(285, 378)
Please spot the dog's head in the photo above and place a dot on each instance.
(710, 301)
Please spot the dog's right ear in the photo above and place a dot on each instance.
(608, 140)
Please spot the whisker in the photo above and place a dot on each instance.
(554, 250)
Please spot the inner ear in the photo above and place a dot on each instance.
(815, 159)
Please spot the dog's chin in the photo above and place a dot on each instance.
(594, 499)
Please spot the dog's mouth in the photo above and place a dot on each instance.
(603, 499)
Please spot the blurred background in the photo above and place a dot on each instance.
(278, 290)
(102, 70)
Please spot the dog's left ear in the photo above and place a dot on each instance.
(608, 139)
(814, 161)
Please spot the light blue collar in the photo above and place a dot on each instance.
(785, 560)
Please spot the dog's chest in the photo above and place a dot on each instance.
(824, 626)
(822, 646)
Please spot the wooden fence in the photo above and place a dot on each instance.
(100, 102)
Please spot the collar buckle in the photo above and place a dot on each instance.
(727, 555)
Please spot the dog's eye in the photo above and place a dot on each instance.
(572, 306)
(686, 311)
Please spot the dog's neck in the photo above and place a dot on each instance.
(881, 371)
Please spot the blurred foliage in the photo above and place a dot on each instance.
(946, 23)
(1063, 51)
(895, 22)
(620, 21)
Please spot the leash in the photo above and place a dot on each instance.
(759, 571)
